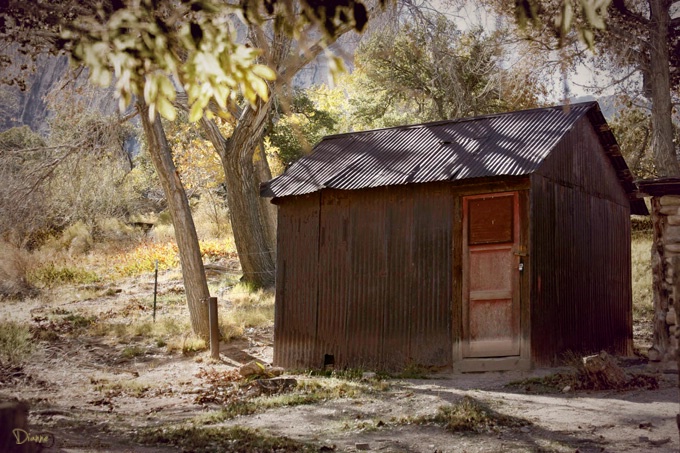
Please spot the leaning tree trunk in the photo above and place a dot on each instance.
(193, 272)
(252, 220)
(662, 126)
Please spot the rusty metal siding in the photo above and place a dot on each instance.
(334, 275)
(383, 274)
(295, 319)
(579, 161)
(581, 283)
(431, 316)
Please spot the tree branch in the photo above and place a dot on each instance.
(622, 9)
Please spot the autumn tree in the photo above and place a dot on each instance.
(294, 129)
(143, 47)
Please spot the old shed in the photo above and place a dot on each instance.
(494, 242)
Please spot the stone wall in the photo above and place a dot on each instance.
(666, 277)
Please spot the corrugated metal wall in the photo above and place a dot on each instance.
(580, 251)
(383, 276)
(295, 317)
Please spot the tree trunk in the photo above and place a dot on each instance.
(193, 272)
(662, 127)
(252, 220)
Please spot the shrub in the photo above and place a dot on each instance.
(15, 344)
(51, 275)
(143, 258)
(14, 264)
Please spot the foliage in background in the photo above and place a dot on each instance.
(632, 128)
(25, 214)
(76, 175)
(425, 69)
(143, 257)
(199, 166)
(643, 301)
(300, 126)
(89, 183)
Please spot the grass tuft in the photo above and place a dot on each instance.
(15, 344)
(471, 415)
(210, 439)
(643, 301)
(248, 309)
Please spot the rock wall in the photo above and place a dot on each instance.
(666, 277)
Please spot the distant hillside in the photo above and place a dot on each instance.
(50, 75)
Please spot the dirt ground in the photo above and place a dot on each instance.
(89, 396)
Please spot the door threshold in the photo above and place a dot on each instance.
(478, 365)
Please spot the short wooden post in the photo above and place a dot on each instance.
(155, 289)
(13, 428)
(214, 329)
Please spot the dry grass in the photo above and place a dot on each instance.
(210, 439)
(14, 269)
(643, 302)
(16, 344)
(246, 309)
(471, 415)
(169, 332)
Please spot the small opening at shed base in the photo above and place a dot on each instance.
(328, 361)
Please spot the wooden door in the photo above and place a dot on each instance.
(491, 270)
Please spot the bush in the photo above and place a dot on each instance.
(14, 264)
(15, 344)
(51, 275)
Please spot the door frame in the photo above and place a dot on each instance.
(521, 229)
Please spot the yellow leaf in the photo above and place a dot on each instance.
(592, 16)
(260, 87)
(150, 88)
(166, 88)
(196, 112)
(249, 94)
(152, 111)
(166, 109)
(264, 72)
(563, 20)
(221, 92)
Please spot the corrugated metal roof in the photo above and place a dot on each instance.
(505, 144)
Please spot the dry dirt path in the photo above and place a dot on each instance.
(91, 398)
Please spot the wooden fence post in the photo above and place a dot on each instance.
(214, 329)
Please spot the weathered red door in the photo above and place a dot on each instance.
(491, 268)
